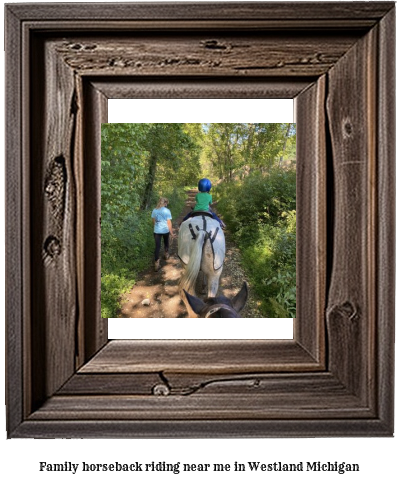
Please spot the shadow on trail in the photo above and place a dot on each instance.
(161, 288)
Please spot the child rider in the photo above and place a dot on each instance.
(203, 200)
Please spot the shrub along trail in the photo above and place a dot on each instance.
(161, 288)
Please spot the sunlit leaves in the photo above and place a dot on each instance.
(127, 178)
(235, 149)
(140, 162)
(260, 211)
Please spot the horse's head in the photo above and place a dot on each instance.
(219, 307)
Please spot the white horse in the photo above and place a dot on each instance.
(201, 246)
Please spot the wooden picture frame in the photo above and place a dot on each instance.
(335, 378)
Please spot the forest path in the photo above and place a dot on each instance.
(161, 288)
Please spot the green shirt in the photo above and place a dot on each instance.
(203, 201)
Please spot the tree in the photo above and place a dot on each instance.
(224, 144)
(170, 147)
(237, 149)
(123, 163)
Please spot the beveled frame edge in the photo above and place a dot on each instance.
(386, 229)
(307, 349)
(17, 267)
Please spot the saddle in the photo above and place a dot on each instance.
(200, 213)
(188, 233)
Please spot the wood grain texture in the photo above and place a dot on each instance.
(95, 329)
(207, 11)
(203, 407)
(200, 356)
(184, 384)
(14, 238)
(352, 126)
(311, 181)
(385, 275)
(311, 219)
(53, 214)
(256, 397)
(175, 87)
(190, 428)
(241, 55)
(200, 389)
(112, 384)
(298, 24)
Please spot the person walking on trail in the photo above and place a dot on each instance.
(162, 221)
(203, 201)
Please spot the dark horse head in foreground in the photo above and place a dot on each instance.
(220, 306)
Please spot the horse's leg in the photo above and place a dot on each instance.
(213, 283)
(212, 276)
(203, 287)
(190, 311)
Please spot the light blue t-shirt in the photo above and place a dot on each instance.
(161, 216)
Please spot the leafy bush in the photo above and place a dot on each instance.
(112, 286)
(126, 249)
(258, 198)
(260, 213)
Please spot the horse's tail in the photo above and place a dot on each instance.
(189, 277)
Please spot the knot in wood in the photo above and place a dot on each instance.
(349, 310)
(346, 310)
(55, 188)
(161, 390)
(347, 128)
(51, 248)
(213, 44)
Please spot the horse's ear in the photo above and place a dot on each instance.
(196, 304)
(240, 299)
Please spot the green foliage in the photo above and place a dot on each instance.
(127, 246)
(283, 282)
(259, 198)
(123, 167)
(112, 286)
(260, 212)
(125, 250)
(178, 148)
(140, 162)
(234, 149)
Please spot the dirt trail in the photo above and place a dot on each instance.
(161, 287)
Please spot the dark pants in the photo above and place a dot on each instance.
(158, 239)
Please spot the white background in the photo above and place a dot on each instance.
(378, 457)
(200, 111)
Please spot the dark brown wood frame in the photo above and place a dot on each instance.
(64, 379)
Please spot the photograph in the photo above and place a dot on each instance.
(198, 220)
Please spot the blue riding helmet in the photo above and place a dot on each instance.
(204, 185)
